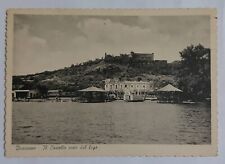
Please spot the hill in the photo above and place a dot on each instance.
(191, 74)
(95, 72)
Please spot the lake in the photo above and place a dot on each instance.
(115, 122)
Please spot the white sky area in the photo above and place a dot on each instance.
(44, 42)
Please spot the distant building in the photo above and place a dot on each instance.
(147, 57)
(117, 85)
(169, 94)
(142, 56)
(161, 62)
(144, 61)
(24, 94)
(68, 94)
(120, 87)
(93, 95)
(54, 93)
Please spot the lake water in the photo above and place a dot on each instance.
(115, 122)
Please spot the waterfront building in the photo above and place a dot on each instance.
(68, 94)
(93, 95)
(169, 94)
(127, 87)
(54, 93)
(24, 94)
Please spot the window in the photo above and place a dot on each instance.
(143, 86)
(116, 86)
(125, 86)
(132, 86)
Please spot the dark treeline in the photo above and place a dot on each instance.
(191, 74)
(194, 73)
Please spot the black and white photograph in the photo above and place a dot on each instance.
(111, 79)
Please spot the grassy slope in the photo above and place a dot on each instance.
(92, 73)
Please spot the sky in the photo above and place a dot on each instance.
(50, 42)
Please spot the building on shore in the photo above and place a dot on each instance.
(93, 95)
(129, 88)
(54, 93)
(24, 94)
(169, 94)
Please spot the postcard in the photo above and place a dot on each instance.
(111, 82)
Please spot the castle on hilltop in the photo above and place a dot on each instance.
(133, 55)
(136, 59)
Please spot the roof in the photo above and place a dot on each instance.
(137, 82)
(21, 90)
(169, 88)
(92, 89)
(125, 81)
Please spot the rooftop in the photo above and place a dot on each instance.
(92, 89)
(169, 88)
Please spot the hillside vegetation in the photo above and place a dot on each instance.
(191, 74)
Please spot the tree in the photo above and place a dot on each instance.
(43, 90)
(194, 74)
